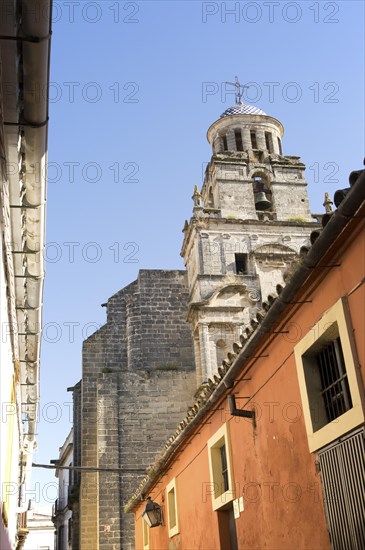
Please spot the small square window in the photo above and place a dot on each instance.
(241, 264)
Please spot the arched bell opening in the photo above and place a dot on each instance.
(224, 142)
(262, 192)
(221, 350)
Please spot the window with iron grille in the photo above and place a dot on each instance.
(335, 387)
(326, 379)
(328, 376)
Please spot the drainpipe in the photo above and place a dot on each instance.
(239, 412)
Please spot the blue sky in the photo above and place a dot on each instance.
(134, 88)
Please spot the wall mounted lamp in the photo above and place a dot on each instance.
(152, 513)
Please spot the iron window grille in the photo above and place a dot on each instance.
(334, 383)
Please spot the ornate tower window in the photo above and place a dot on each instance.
(238, 138)
(224, 142)
(253, 139)
(262, 193)
(221, 349)
(269, 142)
(280, 148)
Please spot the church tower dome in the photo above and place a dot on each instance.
(247, 148)
(245, 128)
(242, 109)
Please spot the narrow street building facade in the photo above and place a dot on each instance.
(167, 332)
(41, 529)
(61, 512)
(272, 452)
(24, 68)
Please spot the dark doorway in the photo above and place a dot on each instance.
(227, 529)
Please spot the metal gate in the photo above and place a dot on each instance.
(342, 467)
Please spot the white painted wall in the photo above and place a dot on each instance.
(41, 529)
(8, 420)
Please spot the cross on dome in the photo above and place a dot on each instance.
(239, 89)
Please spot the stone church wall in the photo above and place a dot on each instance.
(75, 476)
(138, 380)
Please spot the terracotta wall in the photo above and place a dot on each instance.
(272, 466)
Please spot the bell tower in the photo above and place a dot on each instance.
(250, 221)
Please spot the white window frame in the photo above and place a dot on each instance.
(220, 498)
(145, 535)
(335, 322)
(171, 491)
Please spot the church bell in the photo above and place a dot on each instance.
(261, 201)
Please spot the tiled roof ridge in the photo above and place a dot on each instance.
(207, 390)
